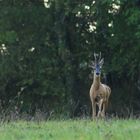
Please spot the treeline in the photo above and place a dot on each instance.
(45, 50)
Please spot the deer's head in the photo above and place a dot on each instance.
(97, 64)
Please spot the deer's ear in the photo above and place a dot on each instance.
(92, 65)
(101, 62)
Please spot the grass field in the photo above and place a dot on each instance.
(71, 130)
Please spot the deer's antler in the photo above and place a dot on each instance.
(99, 57)
(95, 56)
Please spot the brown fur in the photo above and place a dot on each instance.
(99, 95)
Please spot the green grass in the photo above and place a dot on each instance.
(71, 130)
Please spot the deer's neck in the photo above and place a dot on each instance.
(96, 81)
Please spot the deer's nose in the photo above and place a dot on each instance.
(97, 73)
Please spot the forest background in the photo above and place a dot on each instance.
(46, 48)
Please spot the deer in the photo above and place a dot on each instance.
(99, 93)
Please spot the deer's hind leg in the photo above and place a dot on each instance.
(103, 110)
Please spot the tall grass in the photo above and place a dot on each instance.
(115, 129)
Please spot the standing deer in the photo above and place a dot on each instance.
(99, 93)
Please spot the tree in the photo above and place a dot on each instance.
(45, 52)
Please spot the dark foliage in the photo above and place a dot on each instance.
(45, 53)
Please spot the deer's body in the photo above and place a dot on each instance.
(99, 95)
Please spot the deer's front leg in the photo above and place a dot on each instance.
(100, 107)
(93, 109)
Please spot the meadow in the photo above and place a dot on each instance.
(113, 129)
